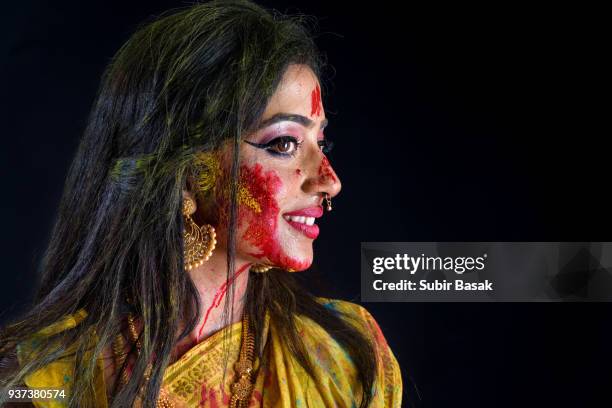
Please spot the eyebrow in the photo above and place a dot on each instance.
(282, 116)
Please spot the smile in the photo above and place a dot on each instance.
(301, 220)
(304, 220)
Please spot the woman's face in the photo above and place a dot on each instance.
(284, 175)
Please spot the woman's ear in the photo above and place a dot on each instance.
(188, 195)
(190, 192)
(190, 188)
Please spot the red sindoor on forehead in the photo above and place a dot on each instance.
(315, 97)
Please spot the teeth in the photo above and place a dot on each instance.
(300, 219)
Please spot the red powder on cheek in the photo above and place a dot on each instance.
(315, 97)
(262, 225)
(325, 171)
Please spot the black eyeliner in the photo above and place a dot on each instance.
(267, 146)
(260, 145)
(273, 142)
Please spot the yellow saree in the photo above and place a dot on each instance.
(196, 379)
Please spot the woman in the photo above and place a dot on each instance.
(190, 202)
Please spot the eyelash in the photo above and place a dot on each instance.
(325, 145)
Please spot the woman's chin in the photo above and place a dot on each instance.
(289, 251)
(301, 257)
(299, 266)
(296, 262)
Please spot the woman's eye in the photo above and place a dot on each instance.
(281, 146)
(284, 145)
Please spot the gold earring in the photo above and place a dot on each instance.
(199, 242)
(260, 268)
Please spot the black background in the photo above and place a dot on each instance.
(461, 123)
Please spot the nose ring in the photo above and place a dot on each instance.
(328, 199)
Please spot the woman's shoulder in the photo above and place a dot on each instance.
(389, 383)
(361, 319)
(32, 344)
(59, 373)
(354, 313)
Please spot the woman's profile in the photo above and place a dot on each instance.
(191, 203)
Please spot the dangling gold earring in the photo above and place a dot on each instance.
(199, 242)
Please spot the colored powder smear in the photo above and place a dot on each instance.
(208, 170)
(325, 171)
(261, 229)
(316, 105)
(245, 198)
(219, 296)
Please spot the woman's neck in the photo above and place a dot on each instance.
(210, 280)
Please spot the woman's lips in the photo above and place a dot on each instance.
(303, 220)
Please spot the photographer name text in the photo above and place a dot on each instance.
(435, 285)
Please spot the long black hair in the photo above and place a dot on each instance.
(183, 84)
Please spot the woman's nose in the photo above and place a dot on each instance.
(321, 177)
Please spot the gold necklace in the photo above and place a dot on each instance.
(241, 389)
